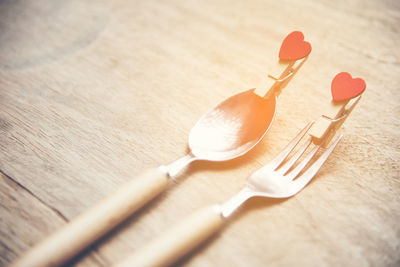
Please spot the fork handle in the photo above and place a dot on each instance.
(75, 236)
(178, 240)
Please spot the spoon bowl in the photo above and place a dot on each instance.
(232, 127)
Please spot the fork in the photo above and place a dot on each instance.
(280, 178)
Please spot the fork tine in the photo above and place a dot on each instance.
(274, 163)
(287, 165)
(293, 174)
(310, 173)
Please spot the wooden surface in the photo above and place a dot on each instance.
(93, 92)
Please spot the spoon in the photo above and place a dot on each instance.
(227, 131)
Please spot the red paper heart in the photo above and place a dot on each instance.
(345, 87)
(294, 47)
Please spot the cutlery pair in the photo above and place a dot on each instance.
(227, 131)
(283, 177)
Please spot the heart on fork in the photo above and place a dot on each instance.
(345, 87)
(294, 47)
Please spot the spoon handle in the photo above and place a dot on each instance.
(178, 240)
(75, 236)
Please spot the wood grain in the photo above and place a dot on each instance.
(94, 92)
(25, 220)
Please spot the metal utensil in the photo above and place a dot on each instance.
(227, 131)
(278, 179)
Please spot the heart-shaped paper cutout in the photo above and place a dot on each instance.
(344, 87)
(294, 47)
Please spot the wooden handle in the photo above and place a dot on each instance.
(91, 225)
(179, 240)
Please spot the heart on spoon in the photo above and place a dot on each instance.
(294, 47)
(345, 87)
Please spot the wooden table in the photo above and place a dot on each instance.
(94, 92)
